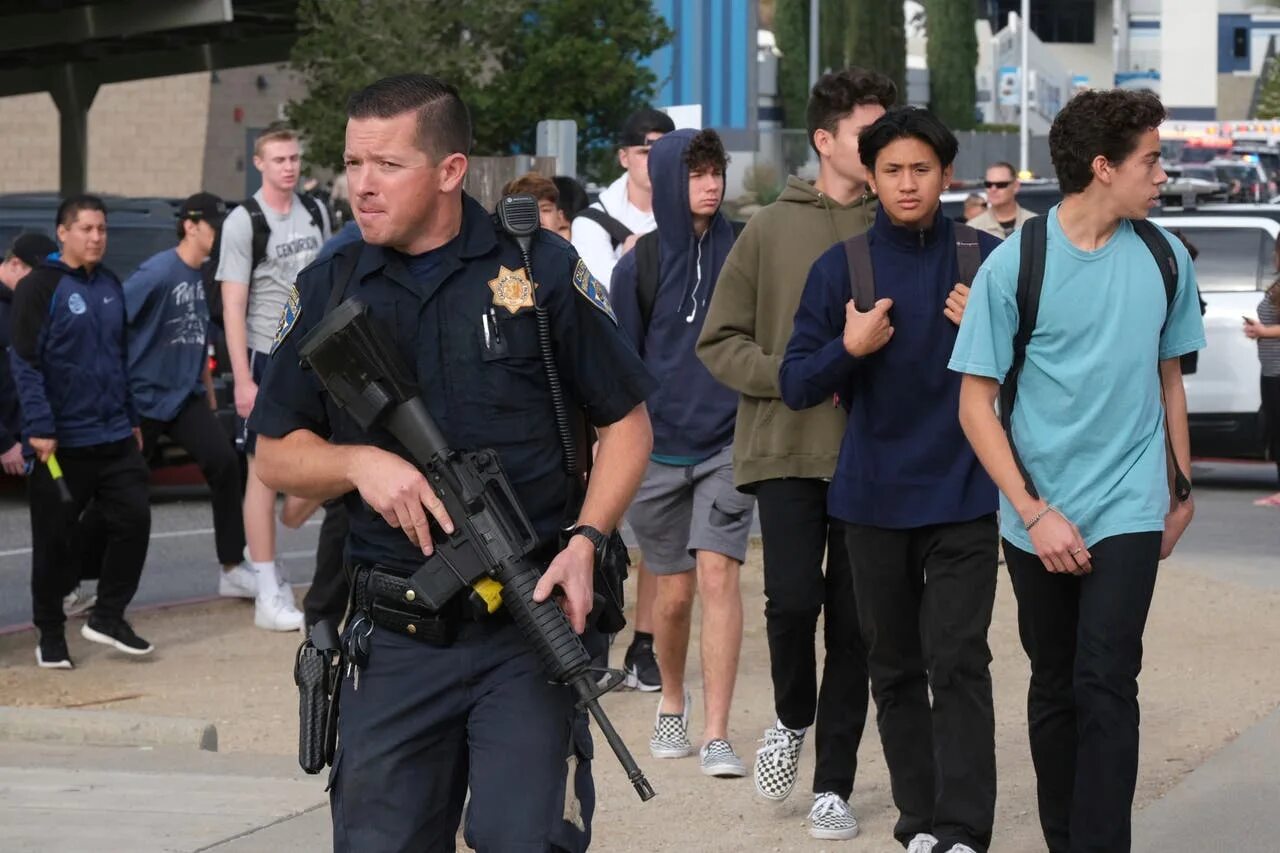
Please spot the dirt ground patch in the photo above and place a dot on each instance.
(1212, 669)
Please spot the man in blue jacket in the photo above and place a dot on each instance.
(690, 521)
(26, 252)
(919, 509)
(168, 331)
(70, 365)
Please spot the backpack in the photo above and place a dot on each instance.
(857, 251)
(261, 236)
(648, 251)
(618, 233)
(1035, 234)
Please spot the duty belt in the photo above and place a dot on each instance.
(391, 603)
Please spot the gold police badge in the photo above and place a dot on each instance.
(511, 289)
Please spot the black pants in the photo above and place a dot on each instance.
(1271, 416)
(924, 600)
(797, 534)
(1084, 638)
(196, 430)
(330, 587)
(428, 725)
(114, 477)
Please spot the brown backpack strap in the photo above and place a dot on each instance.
(857, 250)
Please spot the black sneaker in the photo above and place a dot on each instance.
(51, 652)
(115, 633)
(642, 667)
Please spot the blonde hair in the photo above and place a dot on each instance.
(274, 133)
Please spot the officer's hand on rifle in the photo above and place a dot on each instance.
(398, 491)
(571, 571)
(866, 332)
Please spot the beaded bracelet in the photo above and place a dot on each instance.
(1048, 508)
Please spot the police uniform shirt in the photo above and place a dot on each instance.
(462, 318)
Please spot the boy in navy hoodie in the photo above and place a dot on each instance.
(690, 521)
(918, 507)
(71, 368)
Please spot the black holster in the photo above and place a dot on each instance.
(318, 674)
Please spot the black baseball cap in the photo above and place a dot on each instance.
(641, 123)
(32, 248)
(204, 206)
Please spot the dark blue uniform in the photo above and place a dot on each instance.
(424, 723)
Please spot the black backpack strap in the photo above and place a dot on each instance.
(968, 253)
(857, 252)
(618, 233)
(313, 208)
(1162, 252)
(1164, 257)
(648, 271)
(344, 268)
(1035, 236)
(261, 233)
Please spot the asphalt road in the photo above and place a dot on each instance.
(1230, 539)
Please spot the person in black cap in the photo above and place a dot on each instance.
(168, 331)
(607, 229)
(602, 233)
(27, 251)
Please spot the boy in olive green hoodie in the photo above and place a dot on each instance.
(787, 458)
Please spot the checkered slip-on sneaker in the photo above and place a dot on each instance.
(719, 759)
(777, 763)
(831, 819)
(671, 733)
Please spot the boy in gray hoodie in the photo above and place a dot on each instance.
(787, 458)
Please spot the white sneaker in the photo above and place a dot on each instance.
(240, 582)
(922, 843)
(277, 613)
(831, 819)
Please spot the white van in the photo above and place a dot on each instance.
(1236, 264)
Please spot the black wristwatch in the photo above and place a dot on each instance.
(597, 539)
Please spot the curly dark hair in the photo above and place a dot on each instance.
(706, 149)
(838, 93)
(1106, 123)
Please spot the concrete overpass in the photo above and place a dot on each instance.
(70, 48)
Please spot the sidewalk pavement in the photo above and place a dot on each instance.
(57, 798)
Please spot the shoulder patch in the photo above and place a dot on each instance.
(590, 287)
(288, 318)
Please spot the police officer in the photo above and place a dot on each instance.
(448, 701)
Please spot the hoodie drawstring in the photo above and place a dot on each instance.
(697, 279)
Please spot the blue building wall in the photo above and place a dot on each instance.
(711, 61)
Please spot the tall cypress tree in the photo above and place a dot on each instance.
(791, 31)
(952, 56)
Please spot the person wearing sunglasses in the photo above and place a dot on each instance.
(1003, 215)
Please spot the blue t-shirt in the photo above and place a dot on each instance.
(168, 331)
(1088, 422)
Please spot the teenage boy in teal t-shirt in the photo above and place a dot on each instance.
(1090, 429)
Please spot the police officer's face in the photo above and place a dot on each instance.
(397, 190)
(84, 241)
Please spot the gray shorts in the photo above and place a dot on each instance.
(682, 509)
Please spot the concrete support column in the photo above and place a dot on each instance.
(73, 90)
